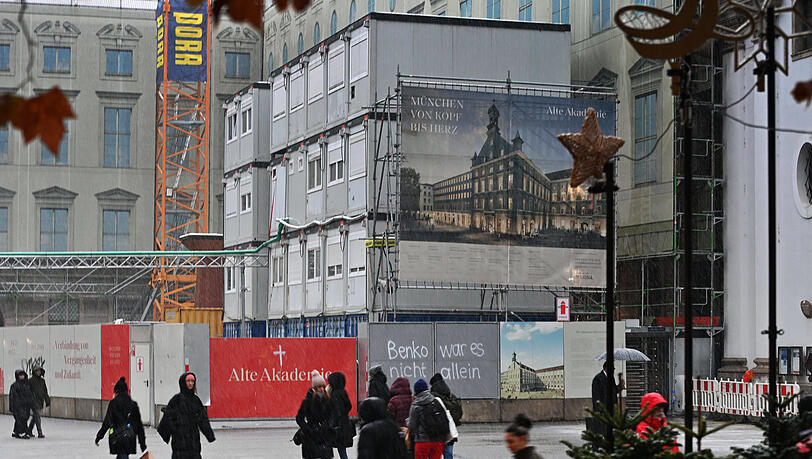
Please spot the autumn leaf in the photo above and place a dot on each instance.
(300, 5)
(44, 116)
(249, 11)
(803, 92)
(9, 105)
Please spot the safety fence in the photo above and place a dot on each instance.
(738, 397)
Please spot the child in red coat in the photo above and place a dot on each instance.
(656, 406)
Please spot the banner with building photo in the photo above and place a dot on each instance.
(532, 360)
(484, 190)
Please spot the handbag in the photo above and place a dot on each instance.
(121, 436)
(298, 437)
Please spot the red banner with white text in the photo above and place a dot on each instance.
(115, 357)
(269, 377)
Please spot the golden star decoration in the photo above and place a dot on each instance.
(590, 149)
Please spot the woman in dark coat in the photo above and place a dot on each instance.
(20, 402)
(313, 419)
(401, 401)
(377, 384)
(121, 412)
(184, 419)
(380, 437)
(340, 407)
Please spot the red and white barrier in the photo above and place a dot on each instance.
(738, 397)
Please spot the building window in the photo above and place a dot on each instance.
(314, 173)
(314, 263)
(561, 11)
(371, 6)
(53, 230)
(119, 63)
(4, 228)
(56, 59)
(231, 133)
(333, 23)
(285, 54)
(277, 270)
(300, 45)
(49, 158)
(799, 45)
(494, 9)
(645, 136)
(245, 202)
(465, 8)
(247, 120)
(117, 137)
(601, 15)
(270, 64)
(336, 171)
(644, 2)
(335, 260)
(115, 230)
(5, 57)
(392, 5)
(238, 65)
(316, 34)
(526, 10)
(4, 145)
(352, 11)
(229, 275)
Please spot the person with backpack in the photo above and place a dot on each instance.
(428, 423)
(452, 403)
(123, 423)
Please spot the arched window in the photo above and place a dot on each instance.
(285, 54)
(352, 11)
(270, 64)
(333, 23)
(392, 4)
(300, 45)
(316, 34)
(371, 6)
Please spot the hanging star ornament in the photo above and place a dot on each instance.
(590, 149)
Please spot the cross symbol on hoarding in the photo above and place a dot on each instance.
(280, 353)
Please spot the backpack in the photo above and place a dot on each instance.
(434, 420)
(454, 406)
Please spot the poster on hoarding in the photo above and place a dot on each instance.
(532, 360)
(583, 341)
(115, 357)
(269, 377)
(485, 193)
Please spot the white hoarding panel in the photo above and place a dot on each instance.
(583, 341)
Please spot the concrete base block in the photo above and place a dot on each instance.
(575, 408)
(732, 368)
(536, 410)
(63, 408)
(480, 410)
(89, 410)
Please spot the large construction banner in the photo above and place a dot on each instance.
(484, 190)
(181, 41)
(269, 377)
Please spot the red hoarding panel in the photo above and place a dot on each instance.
(115, 358)
(269, 377)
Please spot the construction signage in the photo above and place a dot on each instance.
(562, 309)
(182, 35)
(269, 377)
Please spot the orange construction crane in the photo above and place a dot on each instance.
(182, 143)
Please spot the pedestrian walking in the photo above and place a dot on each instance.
(517, 437)
(656, 406)
(380, 437)
(313, 419)
(122, 423)
(602, 385)
(401, 401)
(20, 401)
(377, 384)
(805, 445)
(428, 423)
(340, 406)
(41, 400)
(452, 403)
(184, 419)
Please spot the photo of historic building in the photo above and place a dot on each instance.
(532, 360)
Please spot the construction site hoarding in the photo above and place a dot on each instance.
(182, 41)
(269, 377)
(484, 189)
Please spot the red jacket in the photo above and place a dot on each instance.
(400, 402)
(649, 402)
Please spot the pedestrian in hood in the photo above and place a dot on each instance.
(184, 419)
(805, 445)
(20, 402)
(427, 423)
(41, 399)
(340, 407)
(401, 401)
(313, 419)
(517, 436)
(380, 437)
(440, 389)
(656, 406)
(123, 413)
(377, 384)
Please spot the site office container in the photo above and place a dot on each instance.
(211, 316)
(247, 127)
(247, 206)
